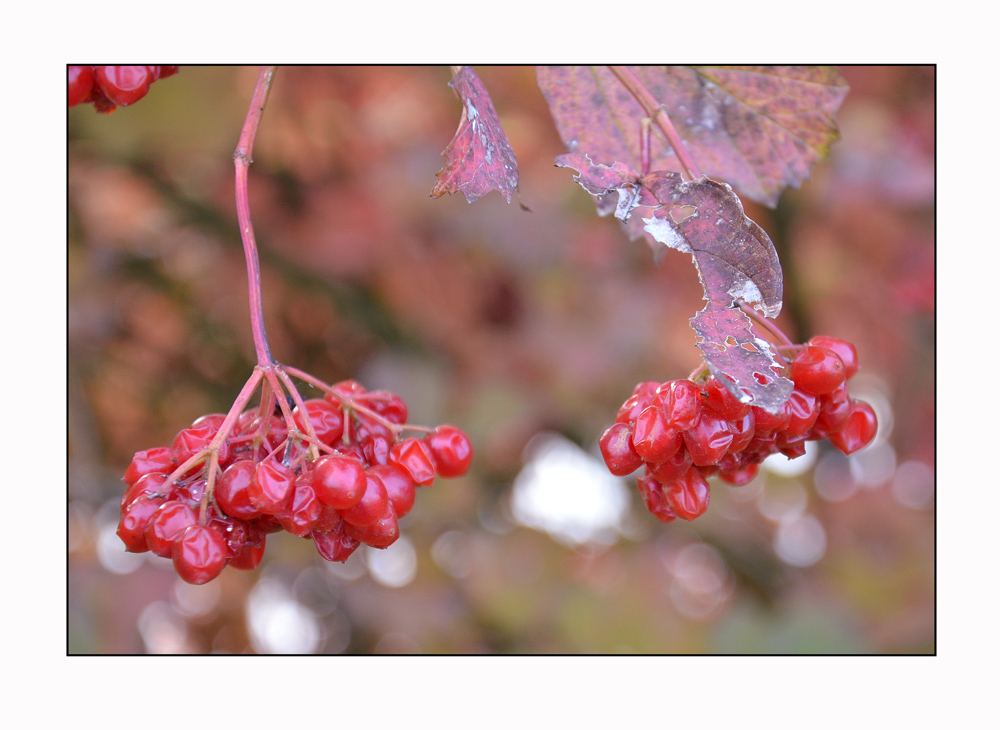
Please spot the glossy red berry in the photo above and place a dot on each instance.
(132, 525)
(818, 370)
(847, 352)
(249, 557)
(653, 438)
(149, 485)
(148, 461)
(334, 545)
(388, 405)
(652, 495)
(688, 496)
(804, 413)
(123, 85)
(372, 505)
(414, 455)
(300, 514)
(199, 554)
(380, 534)
(271, 487)
(339, 481)
(766, 422)
(232, 490)
(673, 468)
(739, 476)
(834, 410)
(682, 402)
(617, 450)
(862, 424)
(190, 441)
(709, 440)
(81, 83)
(399, 485)
(636, 403)
(166, 525)
(743, 429)
(451, 449)
(717, 397)
(327, 420)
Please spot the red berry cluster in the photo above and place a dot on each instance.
(109, 87)
(337, 471)
(684, 431)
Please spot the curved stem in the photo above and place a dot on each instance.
(242, 158)
(658, 113)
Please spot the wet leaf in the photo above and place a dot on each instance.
(759, 128)
(734, 257)
(480, 159)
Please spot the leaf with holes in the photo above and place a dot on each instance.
(734, 257)
(480, 159)
(759, 128)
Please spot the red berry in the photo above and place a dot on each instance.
(817, 370)
(327, 420)
(654, 439)
(123, 85)
(190, 441)
(81, 83)
(249, 557)
(739, 476)
(372, 505)
(399, 485)
(682, 402)
(199, 554)
(148, 461)
(166, 525)
(834, 410)
(848, 354)
(451, 449)
(132, 525)
(636, 403)
(766, 422)
(235, 533)
(860, 430)
(717, 397)
(743, 430)
(652, 495)
(271, 487)
(150, 485)
(162, 72)
(791, 446)
(302, 511)
(339, 481)
(673, 468)
(232, 490)
(688, 496)
(375, 446)
(804, 412)
(415, 456)
(617, 450)
(334, 545)
(388, 405)
(709, 440)
(381, 534)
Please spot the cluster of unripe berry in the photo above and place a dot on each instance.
(684, 431)
(338, 472)
(109, 87)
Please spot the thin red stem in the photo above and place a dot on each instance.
(242, 158)
(658, 113)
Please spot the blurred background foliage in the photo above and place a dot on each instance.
(527, 328)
